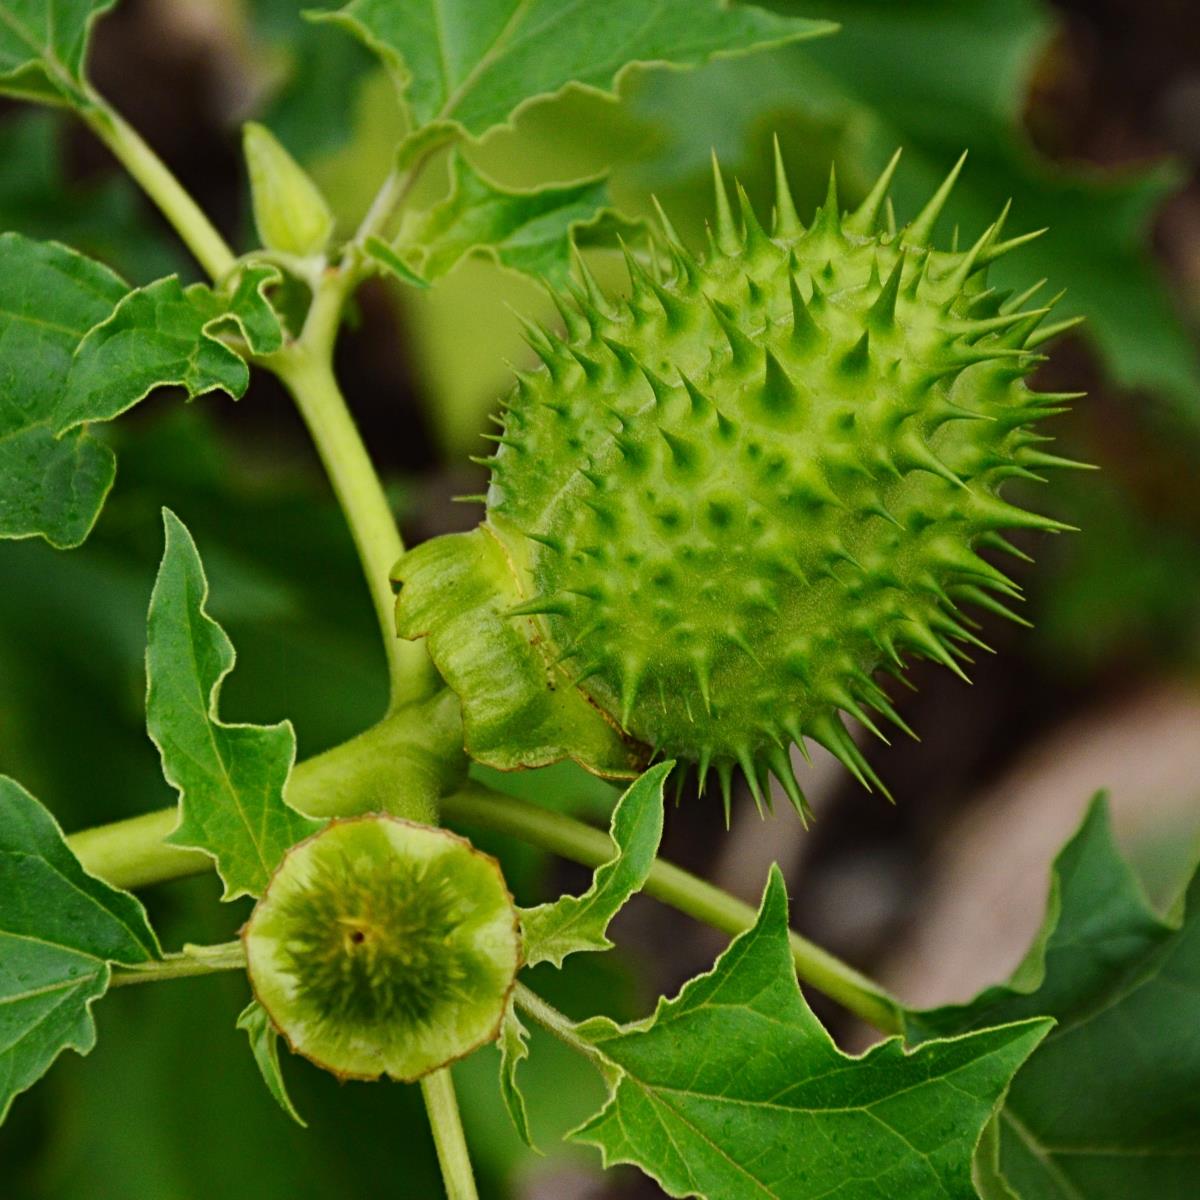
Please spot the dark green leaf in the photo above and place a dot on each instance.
(59, 931)
(733, 1089)
(1108, 1107)
(574, 923)
(264, 1045)
(51, 483)
(76, 347)
(478, 62)
(230, 777)
(43, 44)
(527, 231)
(165, 334)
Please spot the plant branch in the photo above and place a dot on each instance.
(412, 158)
(151, 173)
(442, 1106)
(306, 370)
(672, 885)
(132, 854)
(191, 961)
(305, 367)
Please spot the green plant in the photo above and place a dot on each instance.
(735, 491)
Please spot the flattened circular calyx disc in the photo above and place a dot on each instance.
(384, 947)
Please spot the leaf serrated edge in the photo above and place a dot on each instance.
(393, 61)
(211, 713)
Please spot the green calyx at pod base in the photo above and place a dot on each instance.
(722, 506)
(384, 947)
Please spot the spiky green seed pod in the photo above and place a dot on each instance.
(384, 947)
(733, 499)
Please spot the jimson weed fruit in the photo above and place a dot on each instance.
(729, 500)
(384, 947)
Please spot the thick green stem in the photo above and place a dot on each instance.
(133, 853)
(184, 214)
(372, 772)
(306, 370)
(448, 1137)
(672, 885)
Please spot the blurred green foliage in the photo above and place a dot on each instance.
(105, 218)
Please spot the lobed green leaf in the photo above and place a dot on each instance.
(733, 1089)
(573, 923)
(59, 931)
(1108, 1106)
(156, 335)
(478, 62)
(43, 45)
(230, 778)
(55, 475)
(528, 231)
(76, 347)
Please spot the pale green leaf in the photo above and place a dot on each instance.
(230, 778)
(479, 61)
(50, 484)
(733, 1089)
(43, 44)
(574, 923)
(1108, 1107)
(527, 231)
(59, 931)
(514, 1049)
(384, 256)
(264, 1045)
(454, 592)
